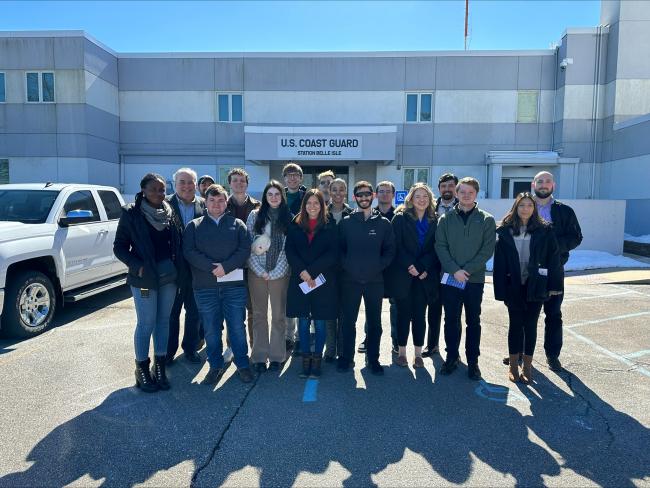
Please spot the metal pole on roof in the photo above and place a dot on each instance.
(466, 21)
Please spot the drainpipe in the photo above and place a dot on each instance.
(594, 112)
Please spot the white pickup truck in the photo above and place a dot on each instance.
(56, 246)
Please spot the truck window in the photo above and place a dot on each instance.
(111, 204)
(27, 206)
(82, 200)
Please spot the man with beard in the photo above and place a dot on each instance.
(367, 246)
(567, 230)
(446, 202)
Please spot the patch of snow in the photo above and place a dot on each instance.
(581, 260)
(639, 239)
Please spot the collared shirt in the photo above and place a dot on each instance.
(187, 210)
(390, 213)
(216, 220)
(444, 208)
(545, 210)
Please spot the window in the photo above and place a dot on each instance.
(230, 107)
(111, 204)
(39, 86)
(527, 102)
(81, 200)
(418, 107)
(3, 95)
(222, 177)
(415, 175)
(26, 206)
(4, 171)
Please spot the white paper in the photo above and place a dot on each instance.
(236, 274)
(543, 272)
(320, 279)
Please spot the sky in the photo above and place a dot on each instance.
(252, 26)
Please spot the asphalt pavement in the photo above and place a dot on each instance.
(70, 415)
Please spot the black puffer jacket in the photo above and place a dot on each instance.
(134, 248)
(544, 254)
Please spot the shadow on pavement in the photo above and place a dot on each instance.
(364, 423)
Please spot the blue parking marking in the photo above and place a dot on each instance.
(311, 390)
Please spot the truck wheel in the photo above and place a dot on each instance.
(30, 302)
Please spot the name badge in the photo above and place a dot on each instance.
(543, 272)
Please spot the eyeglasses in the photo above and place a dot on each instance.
(293, 175)
(363, 194)
(324, 182)
(385, 192)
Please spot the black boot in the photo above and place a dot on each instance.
(158, 373)
(143, 379)
(315, 366)
(306, 366)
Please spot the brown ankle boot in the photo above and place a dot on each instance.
(513, 372)
(527, 373)
(306, 366)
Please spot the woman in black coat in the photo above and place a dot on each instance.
(148, 241)
(527, 271)
(311, 249)
(412, 278)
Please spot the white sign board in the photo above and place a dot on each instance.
(320, 147)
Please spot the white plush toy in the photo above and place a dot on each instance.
(262, 242)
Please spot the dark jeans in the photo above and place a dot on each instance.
(191, 334)
(393, 321)
(215, 305)
(523, 325)
(411, 311)
(453, 299)
(304, 325)
(351, 294)
(553, 328)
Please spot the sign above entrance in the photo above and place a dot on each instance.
(325, 146)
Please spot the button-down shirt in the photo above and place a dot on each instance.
(545, 210)
(217, 219)
(187, 210)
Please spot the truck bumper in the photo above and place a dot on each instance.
(2, 299)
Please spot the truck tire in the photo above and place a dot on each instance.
(30, 303)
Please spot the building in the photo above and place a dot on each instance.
(71, 109)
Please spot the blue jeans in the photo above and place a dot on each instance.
(214, 305)
(152, 312)
(304, 335)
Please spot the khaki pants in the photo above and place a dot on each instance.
(273, 349)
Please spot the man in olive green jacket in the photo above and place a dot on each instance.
(465, 241)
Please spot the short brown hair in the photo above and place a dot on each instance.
(385, 183)
(215, 190)
(237, 171)
(329, 172)
(468, 180)
(361, 184)
(291, 167)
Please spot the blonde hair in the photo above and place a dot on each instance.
(407, 206)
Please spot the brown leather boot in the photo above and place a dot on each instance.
(513, 371)
(306, 366)
(527, 370)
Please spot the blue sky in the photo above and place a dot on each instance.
(250, 26)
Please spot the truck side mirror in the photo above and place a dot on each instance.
(76, 217)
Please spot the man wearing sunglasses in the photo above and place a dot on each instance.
(367, 246)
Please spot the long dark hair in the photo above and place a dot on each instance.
(511, 219)
(284, 216)
(302, 219)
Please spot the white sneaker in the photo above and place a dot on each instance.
(228, 356)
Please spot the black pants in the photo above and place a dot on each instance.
(453, 300)
(411, 310)
(523, 325)
(191, 335)
(553, 326)
(434, 316)
(351, 294)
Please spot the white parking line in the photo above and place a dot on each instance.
(638, 354)
(609, 319)
(597, 297)
(611, 354)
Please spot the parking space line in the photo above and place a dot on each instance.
(637, 354)
(311, 390)
(600, 321)
(636, 292)
(609, 353)
(596, 297)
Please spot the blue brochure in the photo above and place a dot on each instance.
(448, 279)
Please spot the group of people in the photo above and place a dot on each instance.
(224, 258)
